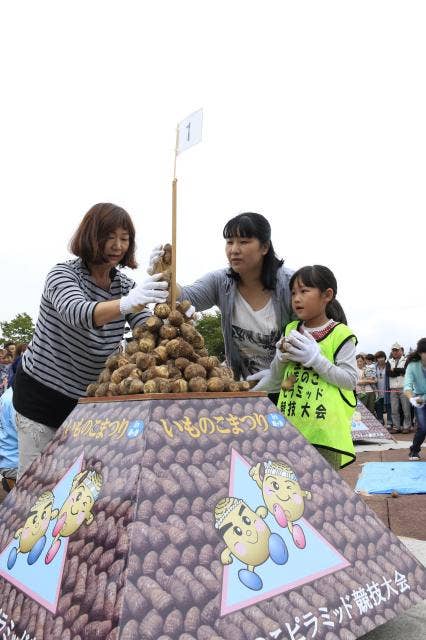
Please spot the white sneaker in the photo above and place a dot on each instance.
(414, 457)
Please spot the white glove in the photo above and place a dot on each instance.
(302, 347)
(282, 356)
(190, 312)
(259, 375)
(416, 401)
(151, 290)
(155, 256)
(269, 379)
(264, 381)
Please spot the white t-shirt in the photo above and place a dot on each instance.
(255, 334)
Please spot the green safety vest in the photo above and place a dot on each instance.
(321, 411)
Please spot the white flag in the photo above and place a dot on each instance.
(190, 131)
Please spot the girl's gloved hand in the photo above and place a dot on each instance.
(156, 254)
(302, 347)
(151, 290)
(281, 352)
(416, 401)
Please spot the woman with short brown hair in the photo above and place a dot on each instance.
(89, 240)
(83, 310)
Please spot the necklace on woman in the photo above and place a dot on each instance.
(103, 283)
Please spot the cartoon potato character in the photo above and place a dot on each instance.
(76, 509)
(31, 536)
(248, 538)
(283, 495)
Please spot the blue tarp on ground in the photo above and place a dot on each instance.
(386, 477)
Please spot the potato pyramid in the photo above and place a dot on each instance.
(167, 355)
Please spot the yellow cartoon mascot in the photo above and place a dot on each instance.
(32, 536)
(76, 509)
(248, 538)
(282, 495)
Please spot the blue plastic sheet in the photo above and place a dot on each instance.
(388, 477)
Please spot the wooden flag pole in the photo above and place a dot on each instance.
(174, 215)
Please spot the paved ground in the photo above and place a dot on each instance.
(405, 515)
(396, 512)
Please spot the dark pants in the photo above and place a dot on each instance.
(420, 434)
(382, 407)
(369, 399)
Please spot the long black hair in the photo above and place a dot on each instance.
(414, 356)
(254, 225)
(321, 278)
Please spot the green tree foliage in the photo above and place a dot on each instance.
(19, 329)
(210, 328)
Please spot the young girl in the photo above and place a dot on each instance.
(415, 390)
(316, 361)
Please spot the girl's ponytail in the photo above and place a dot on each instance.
(335, 311)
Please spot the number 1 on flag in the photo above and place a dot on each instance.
(189, 131)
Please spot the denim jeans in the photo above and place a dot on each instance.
(420, 434)
(380, 409)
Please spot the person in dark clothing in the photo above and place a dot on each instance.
(20, 348)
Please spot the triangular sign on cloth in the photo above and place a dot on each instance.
(290, 561)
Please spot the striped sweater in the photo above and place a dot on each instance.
(67, 351)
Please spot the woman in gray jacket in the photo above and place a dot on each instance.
(253, 295)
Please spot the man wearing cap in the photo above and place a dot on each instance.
(397, 362)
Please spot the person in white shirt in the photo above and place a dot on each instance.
(365, 386)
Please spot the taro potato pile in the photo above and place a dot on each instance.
(167, 355)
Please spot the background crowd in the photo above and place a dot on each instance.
(380, 388)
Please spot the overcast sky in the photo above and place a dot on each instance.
(314, 115)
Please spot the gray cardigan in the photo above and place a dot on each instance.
(217, 288)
